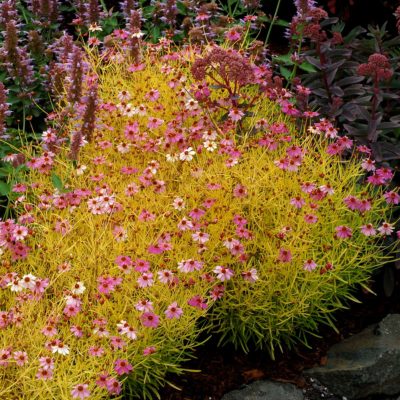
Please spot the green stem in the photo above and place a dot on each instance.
(272, 22)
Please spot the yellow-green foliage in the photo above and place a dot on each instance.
(285, 302)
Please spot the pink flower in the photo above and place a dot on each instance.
(185, 224)
(235, 114)
(141, 265)
(117, 343)
(223, 273)
(297, 202)
(190, 265)
(152, 95)
(144, 305)
(113, 386)
(386, 229)
(124, 262)
(150, 320)
(149, 350)
(310, 218)
(251, 275)
(343, 232)
(46, 362)
(173, 311)
(20, 357)
(233, 35)
(240, 191)
(198, 302)
(368, 230)
(145, 280)
(196, 213)
(80, 391)
(309, 265)
(165, 276)
(284, 255)
(200, 237)
(368, 164)
(154, 123)
(44, 374)
(122, 367)
(96, 351)
(392, 197)
(351, 202)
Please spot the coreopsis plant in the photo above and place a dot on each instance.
(163, 207)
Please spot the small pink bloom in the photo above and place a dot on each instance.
(235, 114)
(368, 230)
(223, 273)
(150, 320)
(80, 391)
(145, 280)
(386, 229)
(251, 275)
(149, 350)
(173, 311)
(122, 367)
(284, 255)
(20, 357)
(343, 232)
(297, 202)
(240, 191)
(198, 302)
(309, 265)
(310, 218)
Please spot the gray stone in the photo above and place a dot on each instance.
(266, 390)
(365, 364)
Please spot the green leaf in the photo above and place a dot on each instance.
(284, 58)
(57, 182)
(305, 66)
(5, 188)
(285, 72)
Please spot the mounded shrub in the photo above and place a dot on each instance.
(194, 192)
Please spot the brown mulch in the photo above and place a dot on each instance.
(226, 369)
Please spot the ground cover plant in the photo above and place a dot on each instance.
(179, 193)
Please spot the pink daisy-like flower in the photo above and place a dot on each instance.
(145, 280)
(20, 357)
(122, 367)
(233, 35)
(309, 265)
(311, 218)
(368, 230)
(392, 197)
(240, 191)
(297, 202)
(113, 386)
(223, 273)
(173, 311)
(44, 374)
(284, 255)
(96, 351)
(251, 275)
(235, 114)
(198, 302)
(386, 229)
(124, 263)
(80, 391)
(165, 276)
(150, 320)
(343, 232)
